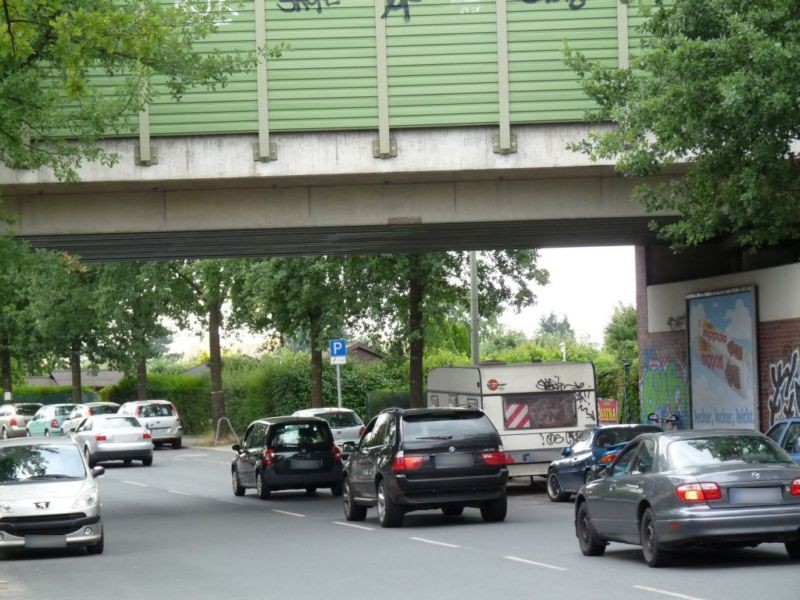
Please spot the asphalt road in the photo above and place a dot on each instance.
(175, 530)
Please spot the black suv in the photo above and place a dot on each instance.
(279, 453)
(426, 458)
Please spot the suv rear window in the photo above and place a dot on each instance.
(338, 420)
(155, 410)
(103, 410)
(27, 411)
(291, 436)
(426, 426)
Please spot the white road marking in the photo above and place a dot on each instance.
(180, 493)
(135, 483)
(286, 512)
(231, 501)
(434, 542)
(354, 526)
(666, 593)
(534, 563)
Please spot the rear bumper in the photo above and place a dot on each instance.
(132, 451)
(446, 490)
(299, 480)
(14, 432)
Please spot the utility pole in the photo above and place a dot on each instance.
(473, 309)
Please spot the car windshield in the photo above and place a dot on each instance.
(293, 436)
(446, 426)
(36, 463)
(341, 419)
(156, 410)
(728, 449)
(103, 409)
(117, 422)
(620, 435)
(27, 410)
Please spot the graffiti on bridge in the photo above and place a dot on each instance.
(289, 6)
(785, 377)
(664, 388)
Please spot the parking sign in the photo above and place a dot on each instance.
(338, 351)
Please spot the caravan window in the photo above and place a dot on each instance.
(550, 410)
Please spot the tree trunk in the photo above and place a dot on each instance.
(5, 367)
(215, 361)
(417, 343)
(316, 367)
(141, 378)
(75, 367)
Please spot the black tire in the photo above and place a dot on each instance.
(89, 460)
(176, 444)
(352, 511)
(494, 511)
(97, 548)
(336, 489)
(146, 462)
(654, 554)
(453, 510)
(554, 491)
(27, 433)
(389, 513)
(238, 489)
(46, 433)
(127, 462)
(793, 550)
(311, 490)
(5, 433)
(262, 489)
(588, 541)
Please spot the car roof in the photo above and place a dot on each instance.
(158, 401)
(38, 441)
(319, 411)
(786, 420)
(442, 410)
(99, 404)
(694, 434)
(288, 419)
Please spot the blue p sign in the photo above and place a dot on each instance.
(338, 347)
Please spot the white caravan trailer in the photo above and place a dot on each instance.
(538, 408)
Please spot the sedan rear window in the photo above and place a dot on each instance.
(118, 422)
(27, 411)
(21, 464)
(156, 410)
(338, 420)
(446, 425)
(291, 436)
(729, 449)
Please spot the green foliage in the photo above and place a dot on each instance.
(620, 334)
(189, 394)
(715, 85)
(52, 394)
(552, 331)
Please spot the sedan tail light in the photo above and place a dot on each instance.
(698, 492)
(12, 422)
(495, 459)
(100, 437)
(403, 463)
(337, 454)
(54, 424)
(268, 457)
(147, 435)
(795, 489)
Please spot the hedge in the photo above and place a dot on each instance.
(51, 394)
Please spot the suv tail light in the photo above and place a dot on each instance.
(12, 422)
(54, 424)
(268, 457)
(607, 459)
(403, 463)
(147, 435)
(361, 431)
(337, 454)
(698, 492)
(795, 489)
(100, 437)
(496, 458)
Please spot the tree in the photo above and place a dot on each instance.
(620, 334)
(552, 331)
(715, 85)
(50, 50)
(298, 297)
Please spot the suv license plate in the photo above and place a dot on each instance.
(45, 541)
(449, 461)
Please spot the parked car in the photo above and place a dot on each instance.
(279, 453)
(428, 458)
(81, 411)
(346, 425)
(48, 496)
(160, 417)
(48, 419)
(595, 448)
(14, 418)
(786, 433)
(114, 437)
(710, 487)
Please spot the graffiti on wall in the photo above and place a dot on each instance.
(225, 14)
(664, 388)
(582, 397)
(289, 6)
(784, 401)
(573, 4)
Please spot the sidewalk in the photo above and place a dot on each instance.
(200, 442)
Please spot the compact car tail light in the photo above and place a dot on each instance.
(177, 414)
(795, 489)
(403, 463)
(268, 457)
(698, 492)
(54, 423)
(100, 437)
(147, 435)
(495, 459)
(337, 454)
(361, 431)
(13, 422)
(91, 410)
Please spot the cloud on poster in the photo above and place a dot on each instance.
(740, 326)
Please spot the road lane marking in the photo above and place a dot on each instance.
(434, 542)
(534, 563)
(231, 501)
(354, 526)
(286, 512)
(135, 483)
(179, 493)
(666, 593)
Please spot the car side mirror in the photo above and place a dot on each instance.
(567, 452)
(236, 447)
(98, 471)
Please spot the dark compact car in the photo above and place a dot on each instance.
(595, 448)
(279, 453)
(786, 433)
(669, 490)
(433, 458)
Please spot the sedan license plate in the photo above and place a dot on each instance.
(45, 541)
(760, 495)
(300, 463)
(449, 461)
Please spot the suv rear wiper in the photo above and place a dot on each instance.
(434, 437)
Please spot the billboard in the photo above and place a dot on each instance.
(723, 368)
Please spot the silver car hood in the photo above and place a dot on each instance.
(54, 497)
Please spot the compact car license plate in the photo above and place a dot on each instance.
(45, 541)
(301, 463)
(449, 461)
(760, 495)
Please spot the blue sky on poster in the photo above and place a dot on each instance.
(585, 285)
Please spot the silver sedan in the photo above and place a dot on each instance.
(670, 490)
(114, 437)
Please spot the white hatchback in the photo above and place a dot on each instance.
(160, 417)
(346, 425)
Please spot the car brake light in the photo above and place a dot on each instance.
(607, 459)
(13, 422)
(361, 431)
(147, 435)
(495, 459)
(337, 454)
(268, 457)
(698, 492)
(177, 414)
(91, 410)
(100, 437)
(795, 489)
(54, 424)
(403, 463)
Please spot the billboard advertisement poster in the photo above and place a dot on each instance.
(723, 368)
(608, 409)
